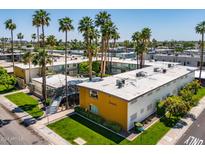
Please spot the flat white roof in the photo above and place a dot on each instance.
(136, 86)
(59, 62)
(57, 80)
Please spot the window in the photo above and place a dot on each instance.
(74, 65)
(149, 107)
(133, 117)
(93, 109)
(94, 94)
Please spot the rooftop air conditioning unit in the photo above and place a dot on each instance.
(157, 69)
(141, 74)
(164, 70)
(170, 65)
(120, 83)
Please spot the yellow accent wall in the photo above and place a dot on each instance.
(109, 107)
(19, 72)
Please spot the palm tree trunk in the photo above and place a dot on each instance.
(114, 43)
(90, 66)
(202, 56)
(137, 60)
(141, 60)
(29, 65)
(66, 80)
(38, 36)
(44, 71)
(102, 55)
(105, 56)
(12, 47)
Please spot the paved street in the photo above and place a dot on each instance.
(15, 134)
(195, 135)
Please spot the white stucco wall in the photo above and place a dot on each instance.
(137, 109)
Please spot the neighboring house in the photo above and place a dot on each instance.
(55, 84)
(21, 71)
(132, 96)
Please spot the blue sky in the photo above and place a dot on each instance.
(165, 24)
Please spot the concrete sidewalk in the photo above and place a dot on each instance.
(38, 125)
(175, 134)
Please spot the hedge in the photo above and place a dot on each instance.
(98, 119)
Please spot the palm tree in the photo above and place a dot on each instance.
(51, 41)
(86, 27)
(137, 44)
(33, 36)
(27, 59)
(42, 58)
(102, 20)
(145, 36)
(11, 26)
(115, 36)
(200, 29)
(126, 44)
(65, 25)
(36, 22)
(43, 20)
(20, 36)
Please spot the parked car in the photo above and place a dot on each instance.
(2, 123)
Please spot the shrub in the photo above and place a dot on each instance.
(160, 108)
(89, 115)
(113, 126)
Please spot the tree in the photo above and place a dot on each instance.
(20, 36)
(136, 38)
(175, 106)
(65, 25)
(27, 59)
(115, 36)
(51, 42)
(200, 29)
(86, 27)
(145, 36)
(126, 44)
(33, 36)
(42, 58)
(84, 67)
(37, 23)
(154, 43)
(11, 26)
(104, 23)
(5, 79)
(43, 20)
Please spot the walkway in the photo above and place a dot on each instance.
(40, 125)
(175, 134)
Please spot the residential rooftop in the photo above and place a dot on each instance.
(137, 86)
(58, 80)
(59, 61)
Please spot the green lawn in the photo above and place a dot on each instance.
(75, 126)
(200, 93)
(26, 103)
(4, 90)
